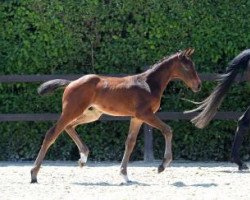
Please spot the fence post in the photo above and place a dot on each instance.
(148, 143)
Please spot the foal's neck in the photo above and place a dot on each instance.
(161, 73)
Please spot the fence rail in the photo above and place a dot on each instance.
(163, 115)
(148, 138)
(42, 78)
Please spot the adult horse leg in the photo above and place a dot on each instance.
(242, 129)
(134, 128)
(166, 130)
(88, 116)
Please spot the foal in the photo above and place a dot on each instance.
(138, 96)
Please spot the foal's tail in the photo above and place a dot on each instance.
(210, 105)
(50, 86)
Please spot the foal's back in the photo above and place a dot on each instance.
(119, 96)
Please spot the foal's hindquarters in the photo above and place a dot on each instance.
(74, 111)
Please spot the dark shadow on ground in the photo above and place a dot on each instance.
(111, 184)
(233, 171)
(205, 185)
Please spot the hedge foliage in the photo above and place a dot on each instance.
(103, 36)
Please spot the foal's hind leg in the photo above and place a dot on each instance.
(134, 128)
(49, 139)
(242, 129)
(70, 113)
(83, 149)
(88, 116)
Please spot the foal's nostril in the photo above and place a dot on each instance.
(199, 87)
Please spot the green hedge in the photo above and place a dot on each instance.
(94, 36)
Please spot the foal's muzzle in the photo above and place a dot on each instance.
(196, 87)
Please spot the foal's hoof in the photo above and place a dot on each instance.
(160, 168)
(128, 182)
(243, 167)
(33, 181)
(33, 176)
(81, 164)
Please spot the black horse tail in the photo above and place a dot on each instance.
(210, 105)
(50, 86)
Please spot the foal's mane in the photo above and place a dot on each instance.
(161, 61)
(210, 105)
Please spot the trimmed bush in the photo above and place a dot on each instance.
(102, 36)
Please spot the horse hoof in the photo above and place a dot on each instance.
(81, 164)
(128, 182)
(33, 180)
(243, 167)
(33, 176)
(160, 168)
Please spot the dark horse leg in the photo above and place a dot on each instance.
(242, 129)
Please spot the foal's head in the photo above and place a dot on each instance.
(184, 69)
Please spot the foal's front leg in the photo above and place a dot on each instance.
(134, 128)
(151, 119)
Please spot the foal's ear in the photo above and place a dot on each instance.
(186, 53)
(190, 52)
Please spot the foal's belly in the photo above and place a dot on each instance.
(114, 110)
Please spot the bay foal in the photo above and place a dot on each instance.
(87, 98)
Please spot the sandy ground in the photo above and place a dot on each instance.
(183, 180)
